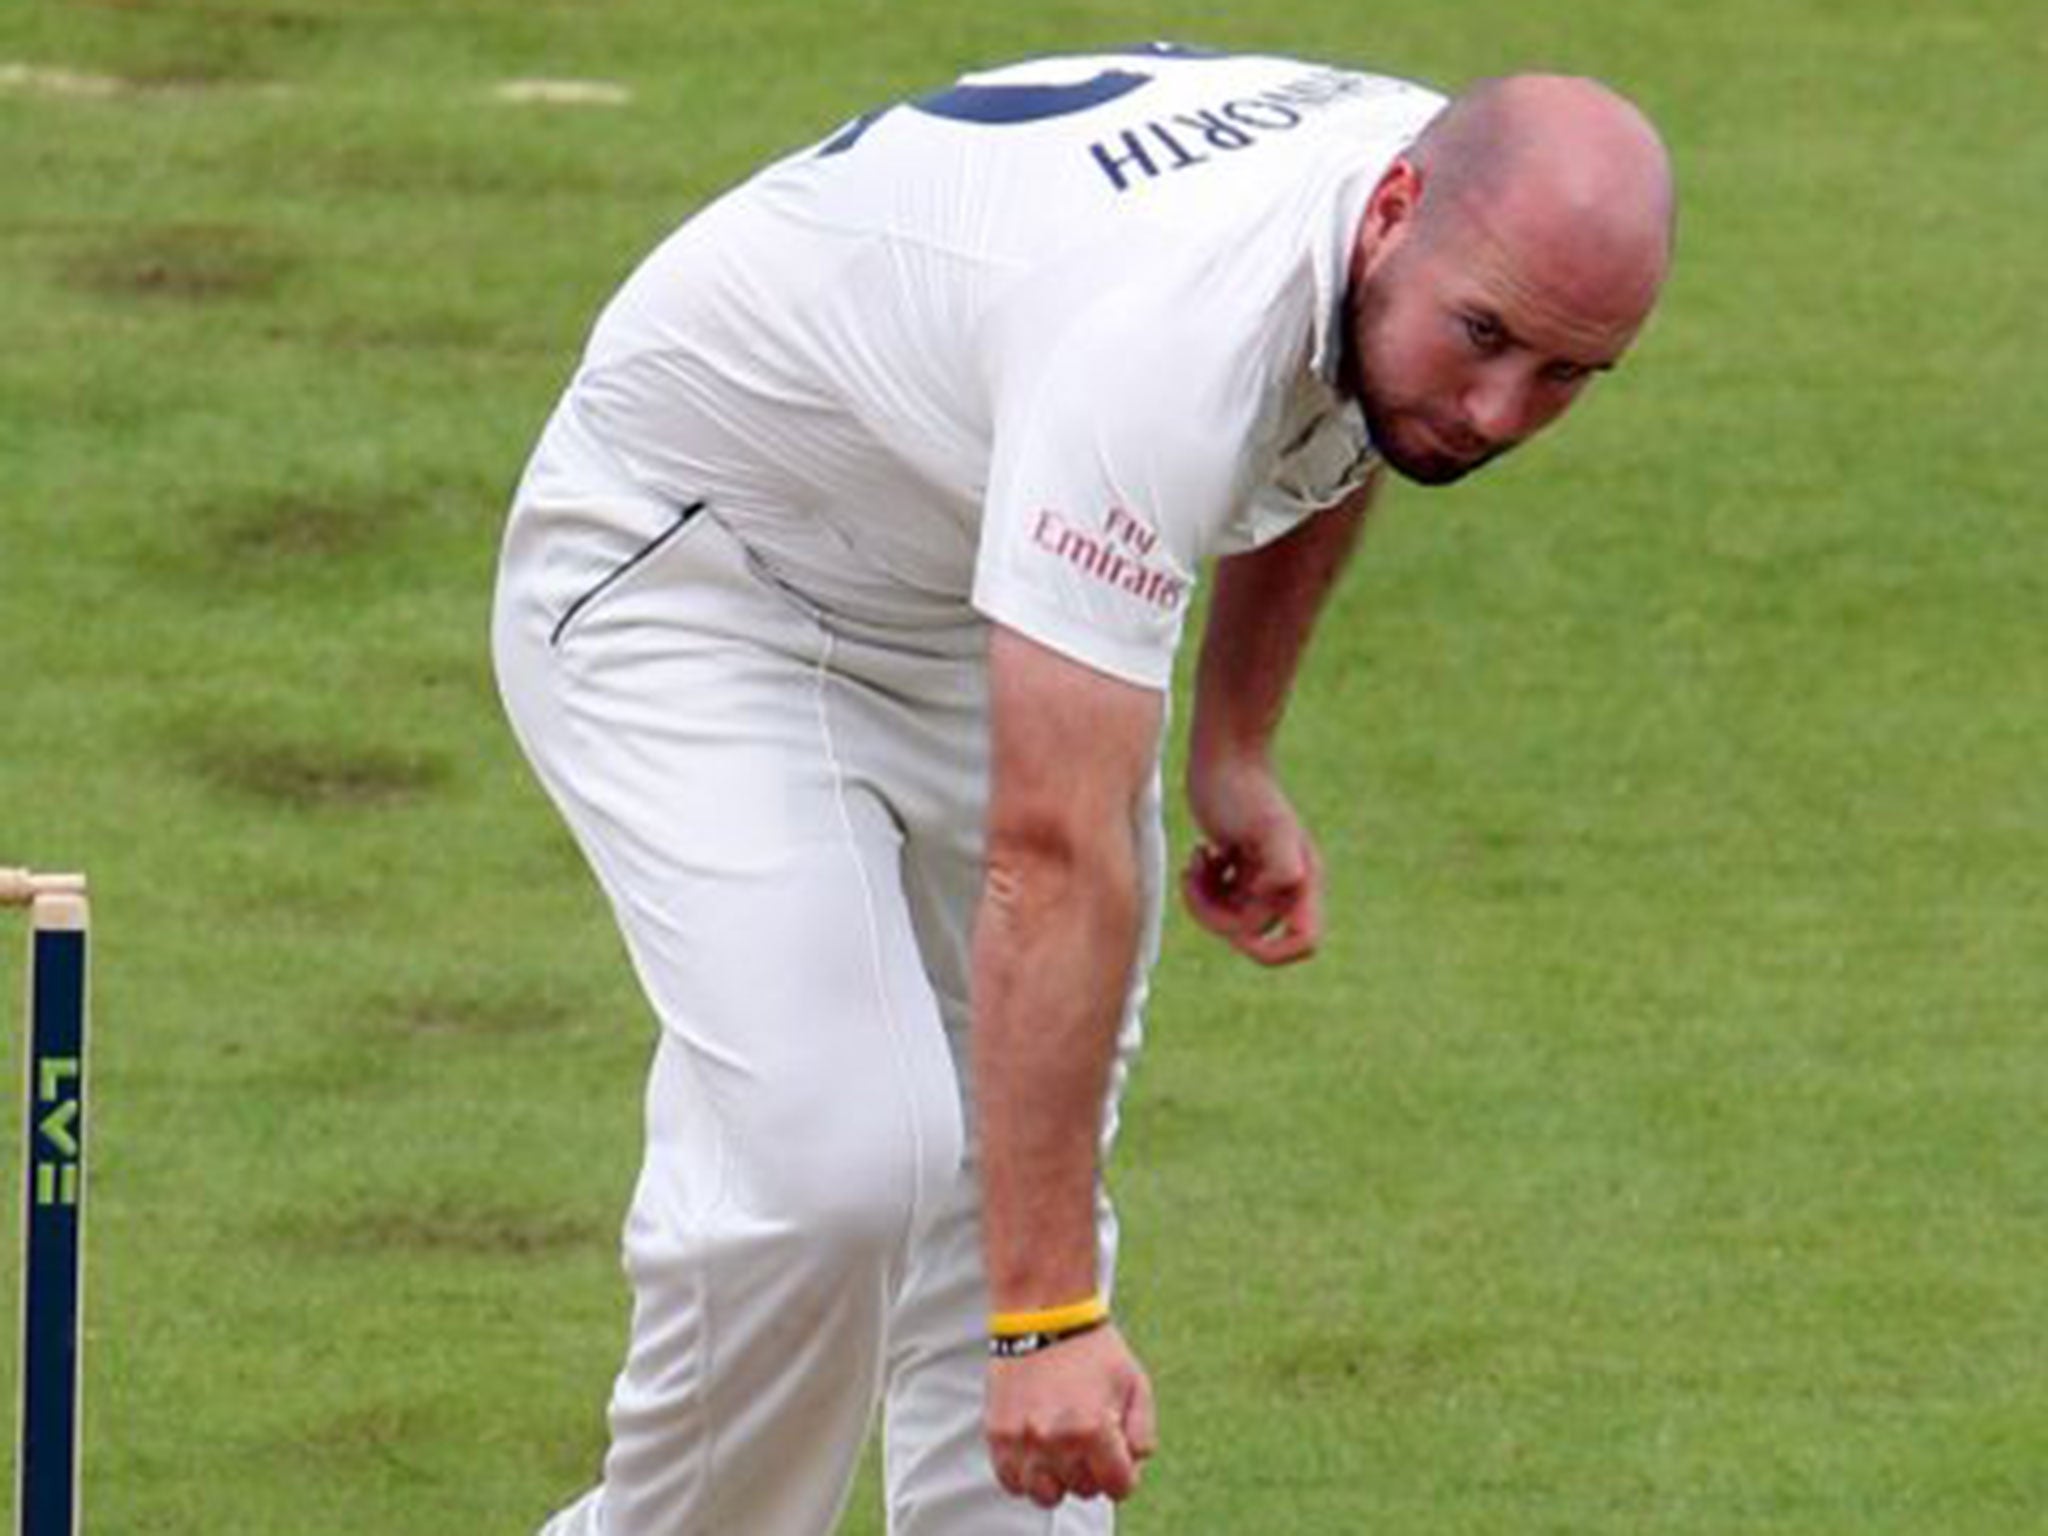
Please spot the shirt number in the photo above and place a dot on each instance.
(999, 104)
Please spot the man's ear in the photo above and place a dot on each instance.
(1391, 212)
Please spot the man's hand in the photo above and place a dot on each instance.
(1072, 1420)
(1256, 880)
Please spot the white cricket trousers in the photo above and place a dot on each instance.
(785, 811)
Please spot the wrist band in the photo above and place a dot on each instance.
(1012, 1335)
(1014, 1346)
(1075, 1314)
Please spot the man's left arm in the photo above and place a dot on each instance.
(1256, 879)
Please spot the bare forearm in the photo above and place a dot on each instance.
(1261, 612)
(1053, 951)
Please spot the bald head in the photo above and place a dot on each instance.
(1510, 256)
(1559, 165)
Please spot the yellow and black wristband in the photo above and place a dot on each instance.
(1013, 1335)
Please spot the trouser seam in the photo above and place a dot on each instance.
(891, 1020)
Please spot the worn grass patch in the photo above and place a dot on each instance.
(469, 1015)
(183, 263)
(450, 1229)
(308, 776)
(283, 529)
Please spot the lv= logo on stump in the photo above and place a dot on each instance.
(53, 1253)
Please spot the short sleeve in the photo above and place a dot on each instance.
(1123, 448)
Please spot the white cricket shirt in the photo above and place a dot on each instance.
(1041, 343)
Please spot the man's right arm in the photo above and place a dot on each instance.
(1055, 948)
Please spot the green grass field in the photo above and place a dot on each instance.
(1659, 1144)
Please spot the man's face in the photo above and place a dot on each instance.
(1470, 338)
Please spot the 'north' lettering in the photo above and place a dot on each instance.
(1182, 156)
(1271, 116)
(1218, 133)
(1113, 165)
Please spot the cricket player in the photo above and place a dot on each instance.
(837, 614)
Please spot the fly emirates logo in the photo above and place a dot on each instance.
(1119, 555)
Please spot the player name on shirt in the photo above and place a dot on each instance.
(1159, 146)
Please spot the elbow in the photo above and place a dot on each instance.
(1038, 868)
